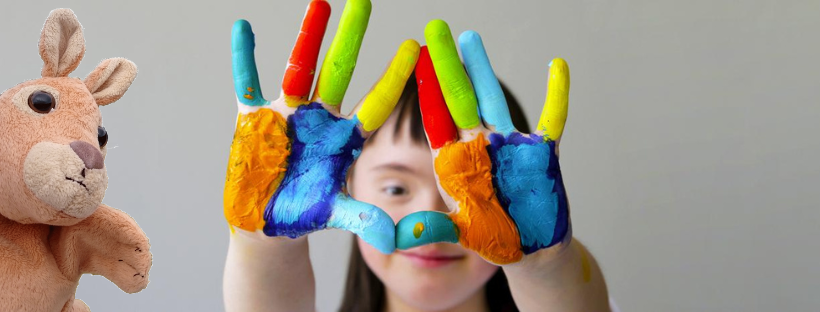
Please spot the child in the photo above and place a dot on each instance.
(309, 149)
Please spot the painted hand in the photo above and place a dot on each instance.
(289, 157)
(504, 188)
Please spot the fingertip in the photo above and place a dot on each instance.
(425, 227)
(370, 223)
(436, 27)
(469, 38)
(242, 34)
(241, 25)
(411, 48)
(320, 5)
(559, 70)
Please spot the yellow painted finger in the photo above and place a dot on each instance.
(381, 100)
(554, 115)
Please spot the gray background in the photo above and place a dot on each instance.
(690, 154)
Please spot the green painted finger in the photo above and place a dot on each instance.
(340, 60)
(425, 227)
(455, 85)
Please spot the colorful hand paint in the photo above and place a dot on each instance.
(554, 114)
(425, 227)
(323, 147)
(340, 60)
(510, 193)
(245, 76)
(464, 171)
(528, 182)
(491, 101)
(302, 62)
(381, 100)
(256, 165)
(455, 85)
(434, 111)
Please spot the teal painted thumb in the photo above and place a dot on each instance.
(425, 227)
(370, 223)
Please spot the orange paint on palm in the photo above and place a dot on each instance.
(256, 166)
(464, 172)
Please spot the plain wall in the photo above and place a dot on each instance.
(690, 153)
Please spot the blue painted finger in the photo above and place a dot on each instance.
(491, 102)
(245, 76)
(425, 227)
(372, 224)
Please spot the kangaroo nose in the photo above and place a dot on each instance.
(91, 156)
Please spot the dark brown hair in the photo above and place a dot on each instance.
(364, 292)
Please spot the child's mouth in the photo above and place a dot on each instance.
(431, 259)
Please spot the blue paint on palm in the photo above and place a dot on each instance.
(323, 147)
(528, 182)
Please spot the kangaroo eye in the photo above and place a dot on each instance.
(41, 102)
(102, 136)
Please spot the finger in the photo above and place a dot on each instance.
(455, 85)
(554, 115)
(425, 227)
(381, 100)
(438, 124)
(302, 62)
(369, 222)
(491, 102)
(245, 76)
(340, 60)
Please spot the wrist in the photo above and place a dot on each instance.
(547, 263)
(257, 244)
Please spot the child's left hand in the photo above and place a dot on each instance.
(504, 187)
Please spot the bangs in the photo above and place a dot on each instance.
(408, 112)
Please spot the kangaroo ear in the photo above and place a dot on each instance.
(109, 81)
(62, 45)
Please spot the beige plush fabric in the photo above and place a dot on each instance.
(110, 80)
(53, 225)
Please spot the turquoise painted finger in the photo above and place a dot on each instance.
(245, 76)
(369, 222)
(425, 227)
(455, 85)
(340, 60)
(491, 101)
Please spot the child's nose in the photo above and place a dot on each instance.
(91, 156)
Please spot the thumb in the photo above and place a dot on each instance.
(425, 227)
(369, 222)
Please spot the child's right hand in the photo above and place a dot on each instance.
(290, 157)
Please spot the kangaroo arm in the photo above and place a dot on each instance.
(109, 243)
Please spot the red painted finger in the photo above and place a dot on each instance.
(438, 123)
(302, 63)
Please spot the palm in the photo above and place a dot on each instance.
(504, 188)
(289, 157)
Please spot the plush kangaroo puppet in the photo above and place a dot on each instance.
(53, 225)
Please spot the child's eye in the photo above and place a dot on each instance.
(395, 190)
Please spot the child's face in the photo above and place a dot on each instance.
(396, 174)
